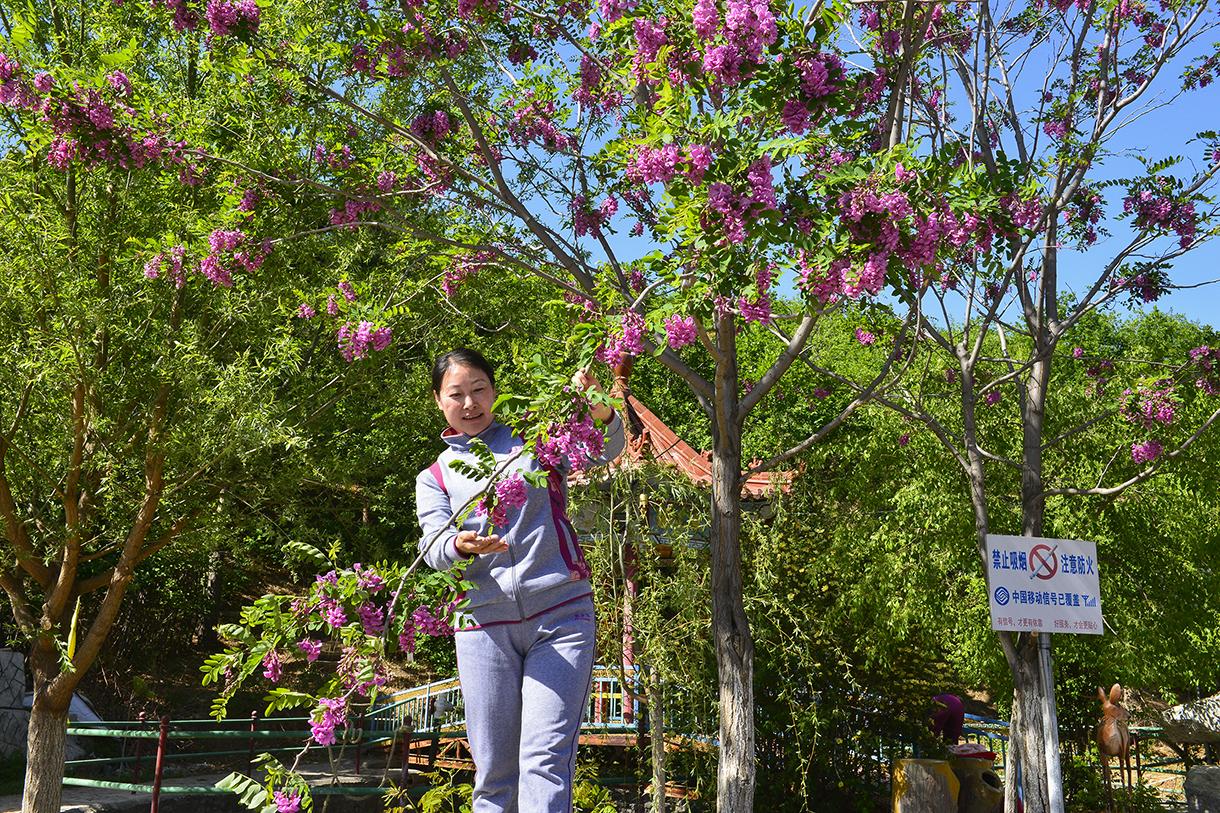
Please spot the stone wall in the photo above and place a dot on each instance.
(1203, 789)
(14, 717)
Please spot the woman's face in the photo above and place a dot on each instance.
(465, 398)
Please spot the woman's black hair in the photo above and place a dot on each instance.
(463, 357)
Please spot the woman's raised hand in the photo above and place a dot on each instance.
(470, 543)
(583, 381)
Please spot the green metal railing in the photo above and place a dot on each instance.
(256, 730)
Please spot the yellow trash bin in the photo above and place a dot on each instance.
(925, 786)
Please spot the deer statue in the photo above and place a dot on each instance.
(1113, 738)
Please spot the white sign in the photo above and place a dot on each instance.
(1043, 585)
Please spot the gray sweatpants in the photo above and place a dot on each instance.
(525, 685)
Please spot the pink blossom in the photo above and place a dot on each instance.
(864, 337)
(723, 62)
(757, 311)
(1077, 352)
(335, 616)
(43, 82)
(992, 397)
(512, 491)
(329, 713)
(311, 648)
(348, 292)
(272, 668)
(761, 185)
(371, 618)
(795, 116)
(577, 442)
(227, 17)
(304, 311)
(706, 19)
(1146, 452)
(680, 330)
(649, 37)
(286, 801)
(699, 156)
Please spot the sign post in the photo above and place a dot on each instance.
(1044, 586)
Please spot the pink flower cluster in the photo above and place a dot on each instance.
(1208, 361)
(590, 221)
(649, 165)
(511, 492)
(272, 667)
(229, 251)
(534, 121)
(864, 337)
(578, 441)
(723, 201)
(426, 621)
(431, 127)
(749, 27)
(464, 266)
(229, 17)
(1148, 284)
(1147, 406)
(355, 343)
(286, 801)
(311, 648)
(331, 713)
(372, 618)
(649, 38)
(467, 8)
(759, 308)
(1147, 451)
(353, 212)
(629, 342)
(679, 330)
(184, 18)
(89, 125)
(592, 93)
(171, 263)
(1159, 211)
(820, 76)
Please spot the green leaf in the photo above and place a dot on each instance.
(304, 550)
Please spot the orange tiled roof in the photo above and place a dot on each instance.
(648, 438)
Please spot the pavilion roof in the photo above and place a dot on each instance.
(649, 439)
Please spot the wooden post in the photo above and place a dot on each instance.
(142, 717)
(253, 726)
(162, 737)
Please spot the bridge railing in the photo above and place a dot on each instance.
(437, 707)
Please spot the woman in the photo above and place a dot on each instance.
(526, 664)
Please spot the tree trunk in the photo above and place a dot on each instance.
(1028, 726)
(731, 629)
(48, 734)
(656, 719)
(1028, 737)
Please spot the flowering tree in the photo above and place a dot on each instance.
(521, 139)
(154, 361)
(1038, 97)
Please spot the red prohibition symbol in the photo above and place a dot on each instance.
(1043, 562)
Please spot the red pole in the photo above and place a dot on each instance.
(161, 740)
(253, 726)
(405, 732)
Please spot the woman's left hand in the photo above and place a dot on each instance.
(583, 382)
